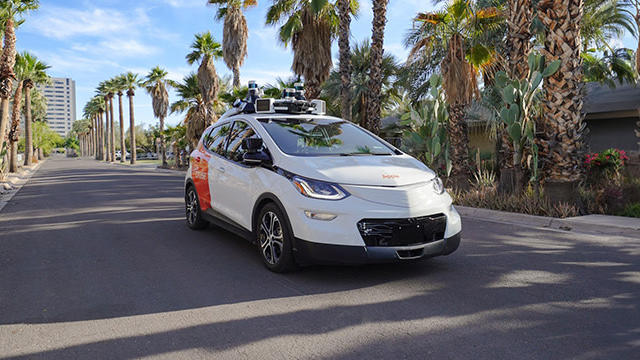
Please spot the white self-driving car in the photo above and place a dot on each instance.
(310, 188)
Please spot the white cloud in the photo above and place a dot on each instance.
(184, 3)
(63, 23)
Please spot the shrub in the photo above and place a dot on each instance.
(605, 166)
(631, 210)
(529, 202)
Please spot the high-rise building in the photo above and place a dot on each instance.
(61, 104)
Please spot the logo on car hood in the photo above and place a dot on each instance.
(390, 176)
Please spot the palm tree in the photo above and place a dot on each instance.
(15, 121)
(458, 28)
(344, 49)
(156, 84)
(604, 20)
(9, 10)
(94, 110)
(119, 87)
(34, 72)
(205, 49)
(563, 96)
(360, 59)
(310, 27)
(191, 101)
(375, 75)
(130, 82)
(520, 17)
(102, 90)
(610, 67)
(235, 33)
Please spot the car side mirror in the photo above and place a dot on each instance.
(255, 158)
(252, 145)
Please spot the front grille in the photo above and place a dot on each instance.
(403, 232)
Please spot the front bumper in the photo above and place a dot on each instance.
(307, 252)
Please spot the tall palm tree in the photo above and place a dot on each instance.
(344, 48)
(33, 72)
(310, 27)
(9, 10)
(563, 96)
(94, 109)
(14, 130)
(375, 75)
(130, 82)
(112, 87)
(119, 87)
(205, 49)
(235, 33)
(459, 28)
(360, 58)
(191, 101)
(156, 84)
(634, 12)
(102, 90)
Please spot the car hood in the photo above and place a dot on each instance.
(367, 170)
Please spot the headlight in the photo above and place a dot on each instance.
(319, 189)
(438, 186)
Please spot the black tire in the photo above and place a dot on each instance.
(275, 240)
(194, 218)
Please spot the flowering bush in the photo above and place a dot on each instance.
(606, 165)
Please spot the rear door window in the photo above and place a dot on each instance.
(218, 139)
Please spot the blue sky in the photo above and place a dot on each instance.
(90, 41)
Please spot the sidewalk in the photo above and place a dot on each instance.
(589, 224)
(15, 181)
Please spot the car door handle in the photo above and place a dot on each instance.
(221, 169)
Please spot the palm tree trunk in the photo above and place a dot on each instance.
(459, 140)
(28, 134)
(3, 127)
(375, 74)
(519, 46)
(107, 132)
(236, 78)
(163, 151)
(15, 127)
(101, 137)
(123, 148)
(345, 57)
(563, 96)
(132, 128)
(7, 75)
(113, 131)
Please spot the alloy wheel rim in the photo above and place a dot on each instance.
(271, 238)
(192, 207)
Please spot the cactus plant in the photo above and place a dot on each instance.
(519, 105)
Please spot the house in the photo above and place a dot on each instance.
(612, 115)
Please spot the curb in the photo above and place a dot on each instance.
(5, 197)
(571, 224)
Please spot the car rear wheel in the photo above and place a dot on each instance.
(275, 240)
(194, 217)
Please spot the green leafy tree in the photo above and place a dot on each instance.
(156, 84)
(234, 33)
(460, 30)
(205, 49)
(310, 27)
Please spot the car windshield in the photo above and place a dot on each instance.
(322, 137)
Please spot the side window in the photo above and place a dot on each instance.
(207, 138)
(217, 139)
(241, 131)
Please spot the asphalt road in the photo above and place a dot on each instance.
(96, 262)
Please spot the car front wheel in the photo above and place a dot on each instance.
(194, 217)
(275, 240)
